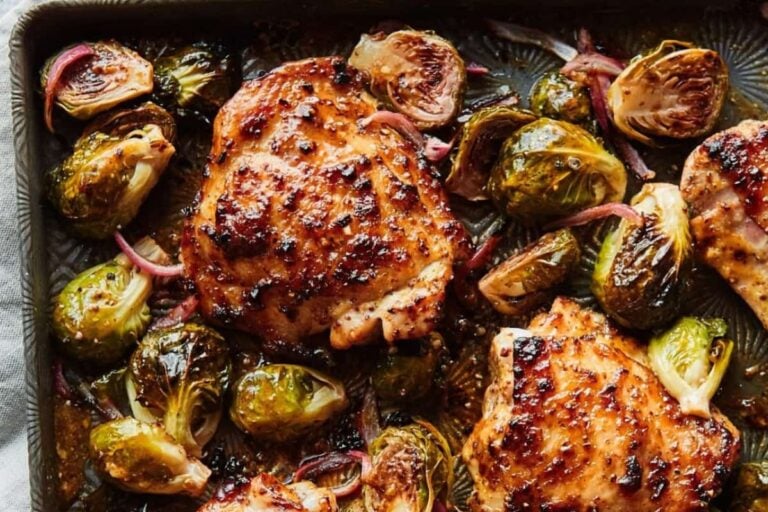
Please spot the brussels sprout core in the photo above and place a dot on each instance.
(691, 359)
(142, 457)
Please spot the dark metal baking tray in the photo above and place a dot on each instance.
(49, 256)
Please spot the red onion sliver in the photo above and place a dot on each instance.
(434, 149)
(439, 507)
(598, 212)
(144, 264)
(593, 63)
(630, 155)
(181, 313)
(527, 35)
(60, 384)
(56, 71)
(584, 41)
(370, 423)
(334, 461)
(475, 69)
(483, 253)
(366, 468)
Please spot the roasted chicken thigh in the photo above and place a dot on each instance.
(310, 218)
(725, 182)
(265, 493)
(574, 420)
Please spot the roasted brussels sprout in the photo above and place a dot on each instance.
(522, 282)
(119, 123)
(101, 186)
(198, 77)
(417, 73)
(481, 139)
(751, 488)
(411, 469)
(283, 401)
(641, 270)
(691, 359)
(179, 375)
(558, 97)
(549, 169)
(404, 376)
(142, 457)
(676, 91)
(89, 78)
(103, 310)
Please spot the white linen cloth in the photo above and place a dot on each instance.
(14, 485)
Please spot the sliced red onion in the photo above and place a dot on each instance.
(334, 461)
(584, 42)
(181, 313)
(593, 62)
(519, 34)
(598, 212)
(60, 384)
(55, 73)
(434, 149)
(475, 69)
(144, 264)
(439, 507)
(598, 87)
(483, 253)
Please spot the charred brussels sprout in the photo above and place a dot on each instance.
(142, 457)
(283, 401)
(411, 469)
(676, 91)
(641, 270)
(101, 186)
(119, 123)
(558, 97)
(481, 138)
(198, 77)
(550, 169)
(418, 73)
(751, 488)
(523, 282)
(89, 78)
(404, 376)
(179, 375)
(691, 359)
(103, 310)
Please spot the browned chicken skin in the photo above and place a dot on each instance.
(310, 220)
(265, 493)
(574, 421)
(725, 181)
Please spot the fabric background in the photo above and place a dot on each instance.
(14, 486)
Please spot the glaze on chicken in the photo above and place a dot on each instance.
(310, 218)
(265, 493)
(725, 182)
(574, 420)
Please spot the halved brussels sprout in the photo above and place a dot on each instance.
(676, 91)
(641, 270)
(691, 359)
(199, 77)
(403, 376)
(142, 457)
(411, 469)
(523, 281)
(481, 139)
(101, 186)
(103, 310)
(119, 123)
(417, 73)
(89, 78)
(179, 375)
(750, 491)
(558, 97)
(283, 401)
(552, 168)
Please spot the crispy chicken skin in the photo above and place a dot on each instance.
(725, 182)
(573, 421)
(265, 493)
(309, 219)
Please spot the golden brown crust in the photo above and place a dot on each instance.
(575, 423)
(306, 214)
